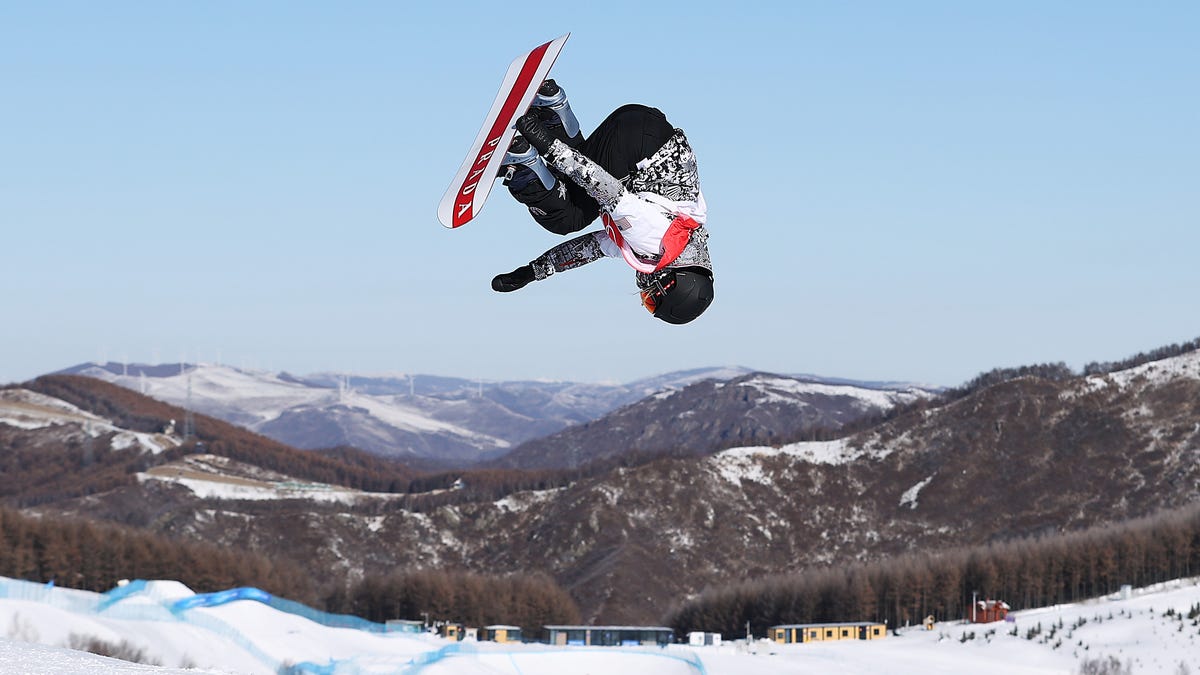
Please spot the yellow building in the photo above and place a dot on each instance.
(500, 633)
(822, 632)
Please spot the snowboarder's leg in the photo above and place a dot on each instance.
(522, 165)
(563, 209)
(550, 201)
(556, 114)
(627, 136)
(630, 134)
(556, 205)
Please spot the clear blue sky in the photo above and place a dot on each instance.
(917, 191)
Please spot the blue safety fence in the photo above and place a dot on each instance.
(121, 592)
(149, 608)
(220, 598)
(281, 604)
(115, 604)
(77, 603)
(328, 619)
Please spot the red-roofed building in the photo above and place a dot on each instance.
(987, 611)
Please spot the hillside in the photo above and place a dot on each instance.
(450, 421)
(442, 422)
(79, 431)
(757, 408)
(1020, 457)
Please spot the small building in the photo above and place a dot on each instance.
(822, 632)
(500, 633)
(451, 631)
(404, 626)
(701, 639)
(611, 636)
(987, 611)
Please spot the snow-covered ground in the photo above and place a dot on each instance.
(30, 410)
(1150, 632)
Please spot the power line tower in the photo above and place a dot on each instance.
(89, 451)
(189, 420)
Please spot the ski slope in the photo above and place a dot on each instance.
(1150, 632)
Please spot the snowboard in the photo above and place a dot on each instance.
(473, 182)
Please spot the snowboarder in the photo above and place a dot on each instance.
(636, 172)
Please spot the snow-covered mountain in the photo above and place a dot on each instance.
(1018, 458)
(716, 413)
(449, 420)
(419, 416)
(626, 540)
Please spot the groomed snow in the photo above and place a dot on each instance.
(1149, 632)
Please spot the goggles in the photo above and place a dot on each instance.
(653, 293)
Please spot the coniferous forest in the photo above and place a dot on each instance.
(899, 591)
(1025, 573)
(94, 557)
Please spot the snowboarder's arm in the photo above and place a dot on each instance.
(566, 256)
(570, 254)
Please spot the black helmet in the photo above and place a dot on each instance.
(678, 295)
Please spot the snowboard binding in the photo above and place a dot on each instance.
(522, 163)
(555, 113)
(551, 101)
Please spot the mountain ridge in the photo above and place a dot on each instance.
(1013, 458)
(449, 421)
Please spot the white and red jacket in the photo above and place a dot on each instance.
(655, 223)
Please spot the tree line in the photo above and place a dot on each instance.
(1104, 367)
(94, 557)
(1025, 573)
(530, 601)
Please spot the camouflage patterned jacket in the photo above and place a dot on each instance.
(641, 208)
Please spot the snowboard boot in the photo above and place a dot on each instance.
(522, 164)
(555, 112)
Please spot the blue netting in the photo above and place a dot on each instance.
(112, 605)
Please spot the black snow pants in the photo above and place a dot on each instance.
(630, 134)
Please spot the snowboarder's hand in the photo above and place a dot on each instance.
(531, 127)
(514, 280)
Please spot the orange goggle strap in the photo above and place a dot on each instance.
(657, 289)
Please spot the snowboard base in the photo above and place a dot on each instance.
(473, 183)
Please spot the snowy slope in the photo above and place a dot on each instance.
(711, 414)
(216, 477)
(1150, 632)
(419, 415)
(1154, 373)
(28, 410)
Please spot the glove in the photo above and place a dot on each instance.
(531, 127)
(514, 280)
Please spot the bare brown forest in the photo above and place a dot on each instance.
(901, 591)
